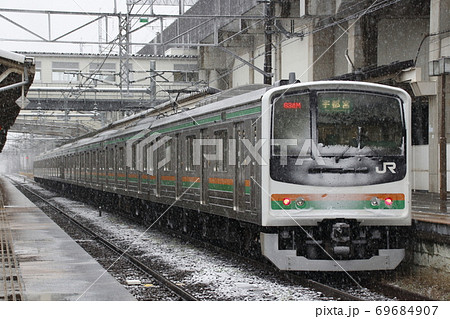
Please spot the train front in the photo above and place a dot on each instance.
(336, 193)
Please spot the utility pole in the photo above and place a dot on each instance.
(124, 52)
(269, 18)
(443, 151)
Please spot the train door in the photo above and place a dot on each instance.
(121, 176)
(62, 163)
(178, 166)
(151, 159)
(88, 167)
(239, 181)
(93, 166)
(158, 153)
(204, 200)
(189, 169)
(108, 160)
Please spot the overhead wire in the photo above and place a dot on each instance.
(114, 43)
(423, 40)
(381, 5)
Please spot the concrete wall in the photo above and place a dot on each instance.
(432, 255)
(421, 167)
(420, 170)
(295, 57)
(399, 39)
(431, 247)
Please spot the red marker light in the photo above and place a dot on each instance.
(286, 201)
(292, 105)
(388, 201)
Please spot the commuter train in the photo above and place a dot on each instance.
(315, 175)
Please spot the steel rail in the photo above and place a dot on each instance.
(293, 277)
(372, 285)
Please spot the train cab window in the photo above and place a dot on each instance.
(221, 138)
(359, 124)
(291, 123)
(337, 137)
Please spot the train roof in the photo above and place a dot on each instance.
(216, 102)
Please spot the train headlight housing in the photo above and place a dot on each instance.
(388, 201)
(375, 202)
(286, 201)
(300, 202)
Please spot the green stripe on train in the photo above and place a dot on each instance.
(221, 187)
(167, 183)
(191, 184)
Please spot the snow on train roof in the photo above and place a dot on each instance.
(217, 102)
(223, 101)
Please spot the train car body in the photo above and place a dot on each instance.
(319, 171)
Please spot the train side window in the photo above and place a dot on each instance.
(144, 159)
(120, 159)
(111, 159)
(94, 160)
(221, 138)
(167, 156)
(133, 157)
(190, 153)
(88, 161)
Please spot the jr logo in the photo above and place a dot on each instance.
(386, 165)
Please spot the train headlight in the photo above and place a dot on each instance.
(300, 202)
(375, 202)
(388, 201)
(286, 201)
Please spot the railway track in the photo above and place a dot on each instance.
(120, 252)
(370, 292)
(326, 290)
(372, 284)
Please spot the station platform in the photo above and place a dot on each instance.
(39, 261)
(427, 214)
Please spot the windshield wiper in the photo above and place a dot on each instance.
(337, 158)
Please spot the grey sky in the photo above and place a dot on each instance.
(61, 24)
